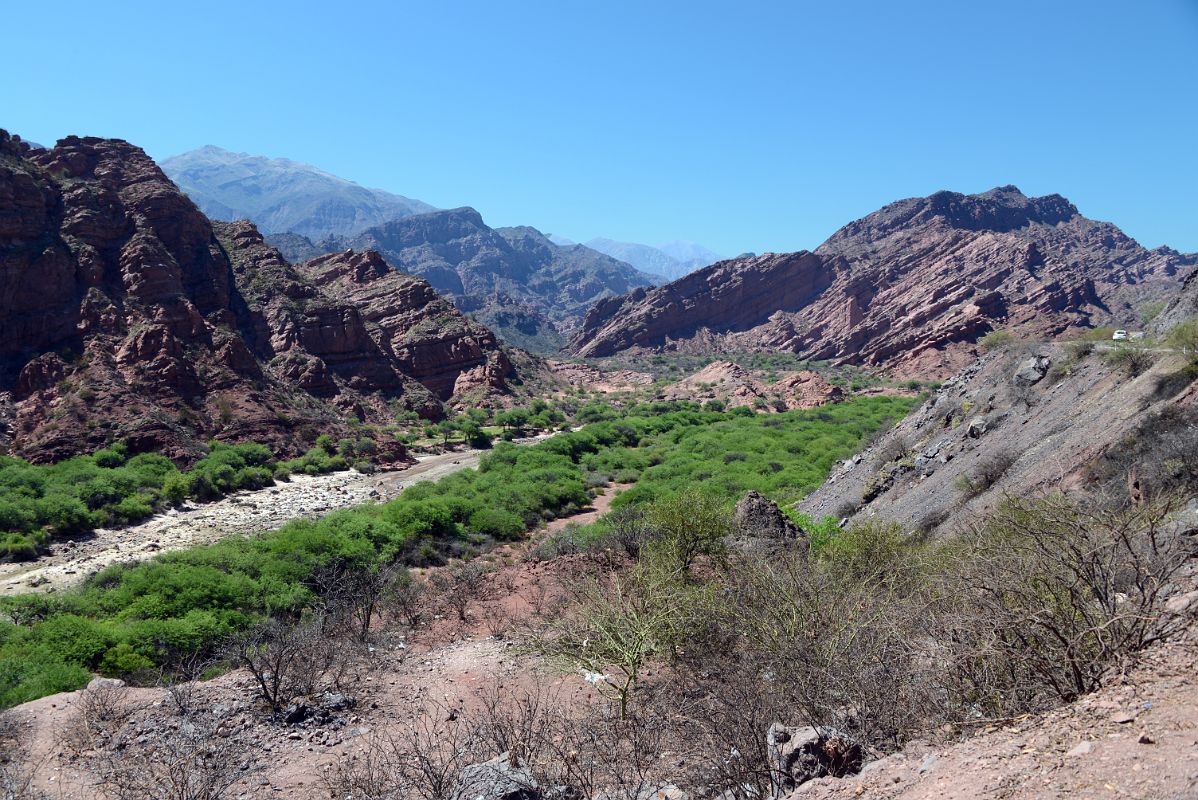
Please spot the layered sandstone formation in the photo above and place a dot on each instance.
(911, 287)
(127, 314)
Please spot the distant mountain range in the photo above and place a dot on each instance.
(671, 260)
(530, 290)
(279, 195)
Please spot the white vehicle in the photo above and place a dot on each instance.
(1119, 335)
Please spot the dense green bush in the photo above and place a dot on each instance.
(733, 453)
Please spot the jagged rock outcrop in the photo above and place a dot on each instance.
(732, 296)
(127, 314)
(725, 381)
(420, 331)
(911, 287)
(760, 528)
(805, 389)
(735, 387)
(799, 755)
(501, 778)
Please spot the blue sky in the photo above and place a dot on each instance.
(745, 126)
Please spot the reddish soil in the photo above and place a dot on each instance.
(1137, 738)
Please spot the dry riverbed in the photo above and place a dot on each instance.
(303, 497)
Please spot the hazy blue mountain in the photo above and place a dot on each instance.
(687, 252)
(280, 195)
(682, 258)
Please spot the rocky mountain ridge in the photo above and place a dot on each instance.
(128, 314)
(514, 279)
(910, 288)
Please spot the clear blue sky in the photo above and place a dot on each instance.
(742, 125)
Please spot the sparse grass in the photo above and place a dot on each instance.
(996, 340)
(989, 470)
(1184, 337)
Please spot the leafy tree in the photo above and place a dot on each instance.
(688, 525)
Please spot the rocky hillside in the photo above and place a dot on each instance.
(1023, 421)
(513, 278)
(128, 314)
(911, 287)
(1183, 306)
(280, 195)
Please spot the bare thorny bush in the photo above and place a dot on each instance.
(357, 597)
(196, 761)
(291, 661)
(99, 712)
(533, 738)
(461, 587)
(879, 635)
(1051, 595)
(194, 758)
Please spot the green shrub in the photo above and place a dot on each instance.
(75, 639)
(497, 523)
(109, 458)
(995, 340)
(122, 661)
(17, 517)
(189, 601)
(1132, 360)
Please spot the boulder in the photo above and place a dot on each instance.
(1032, 371)
(497, 779)
(798, 755)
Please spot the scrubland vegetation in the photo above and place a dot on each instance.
(875, 634)
(136, 618)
